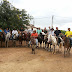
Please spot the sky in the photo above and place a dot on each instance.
(42, 11)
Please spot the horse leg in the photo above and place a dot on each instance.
(26, 43)
(64, 51)
(34, 49)
(1, 43)
(21, 43)
(7, 44)
(40, 45)
(45, 45)
(15, 43)
(50, 47)
(54, 48)
(69, 50)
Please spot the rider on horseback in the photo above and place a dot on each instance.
(6, 30)
(69, 34)
(35, 35)
(14, 32)
(57, 34)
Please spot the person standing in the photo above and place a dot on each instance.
(39, 31)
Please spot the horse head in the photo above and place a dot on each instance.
(49, 38)
(7, 36)
(33, 40)
(52, 39)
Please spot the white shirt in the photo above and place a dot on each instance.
(15, 32)
(31, 31)
(51, 33)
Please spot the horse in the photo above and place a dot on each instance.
(21, 38)
(24, 37)
(7, 37)
(14, 40)
(67, 45)
(45, 40)
(60, 42)
(52, 39)
(28, 37)
(33, 43)
(40, 38)
(2, 38)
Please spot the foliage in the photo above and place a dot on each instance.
(63, 31)
(12, 17)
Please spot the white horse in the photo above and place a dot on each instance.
(7, 36)
(61, 44)
(14, 40)
(53, 40)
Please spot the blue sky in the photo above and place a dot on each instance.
(42, 11)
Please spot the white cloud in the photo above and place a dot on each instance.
(61, 9)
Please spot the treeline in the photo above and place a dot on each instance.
(12, 17)
(63, 31)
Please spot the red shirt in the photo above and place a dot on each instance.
(34, 34)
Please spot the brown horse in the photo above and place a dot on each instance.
(21, 38)
(67, 45)
(24, 37)
(33, 42)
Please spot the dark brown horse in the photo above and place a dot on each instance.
(67, 45)
(24, 37)
(2, 38)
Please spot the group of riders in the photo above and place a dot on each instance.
(35, 33)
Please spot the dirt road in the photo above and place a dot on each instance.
(22, 60)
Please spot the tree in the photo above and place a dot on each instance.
(63, 31)
(12, 17)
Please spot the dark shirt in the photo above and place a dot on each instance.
(21, 30)
(57, 32)
(45, 31)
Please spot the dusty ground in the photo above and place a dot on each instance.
(22, 60)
